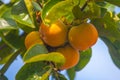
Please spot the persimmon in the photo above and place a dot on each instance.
(33, 38)
(83, 36)
(71, 55)
(54, 35)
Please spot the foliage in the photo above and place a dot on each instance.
(19, 17)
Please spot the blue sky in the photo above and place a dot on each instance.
(101, 66)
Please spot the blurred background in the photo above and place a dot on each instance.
(100, 67)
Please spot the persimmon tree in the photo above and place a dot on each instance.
(45, 34)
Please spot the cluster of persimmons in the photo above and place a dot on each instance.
(69, 41)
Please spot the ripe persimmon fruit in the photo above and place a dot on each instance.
(71, 55)
(33, 38)
(83, 36)
(54, 35)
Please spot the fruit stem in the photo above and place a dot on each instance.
(8, 63)
(55, 70)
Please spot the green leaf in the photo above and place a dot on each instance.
(71, 73)
(13, 1)
(7, 14)
(103, 12)
(116, 43)
(99, 24)
(77, 12)
(48, 6)
(5, 11)
(107, 26)
(24, 19)
(19, 8)
(59, 10)
(115, 2)
(14, 39)
(21, 16)
(32, 71)
(112, 26)
(60, 77)
(5, 41)
(114, 50)
(46, 75)
(2, 77)
(110, 7)
(55, 57)
(31, 11)
(24, 26)
(7, 24)
(30, 8)
(5, 52)
(82, 2)
(94, 10)
(101, 3)
(24, 22)
(118, 15)
(1, 3)
(84, 59)
(36, 6)
(34, 51)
